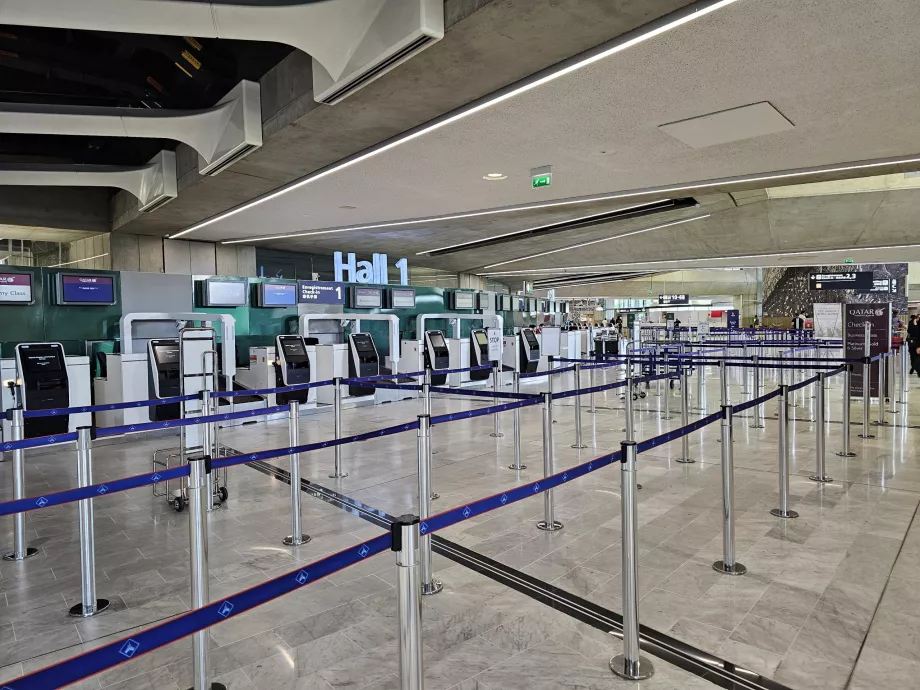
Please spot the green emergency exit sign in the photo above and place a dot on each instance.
(848, 261)
(538, 181)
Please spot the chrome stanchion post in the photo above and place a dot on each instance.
(592, 409)
(866, 396)
(338, 472)
(744, 371)
(426, 392)
(657, 370)
(758, 409)
(667, 398)
(408, 602)
(783, 510)
(517, 428)
(630, 421)
(881, 421)
(890, 380)
(429, 584)
(90, 605)
(579, 442)
(903, 368)
(207, 435)
(20, 550)
(845, 437)
(548, 523)
(297, 536)
(198, 499)
(630, 664)
(727, 565)
(684, 417)
(496, 428)
(820, 393)
(700, 375)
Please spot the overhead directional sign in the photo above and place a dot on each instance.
(850, 280)
(317, 292)
(669, 300)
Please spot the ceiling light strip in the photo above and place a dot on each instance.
(561, 69)
(604, 239)
(79, 261)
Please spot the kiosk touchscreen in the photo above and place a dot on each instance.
(164, 378)
(437, 356)
(479, 354)
(45, 386)
(530, 351)
(363, 360)
(291, 367)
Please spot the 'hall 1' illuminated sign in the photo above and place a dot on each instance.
(373, 272)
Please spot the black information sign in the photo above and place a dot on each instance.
(853, 280)
(670, 300)
(856, 316)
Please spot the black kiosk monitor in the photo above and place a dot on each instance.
(164, 378)
(479, 354)
(44, 386)
(292, 367)
(530, 351)
(363, 360)
(437, 356)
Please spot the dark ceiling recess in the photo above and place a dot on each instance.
(95, 68)
(566, 225)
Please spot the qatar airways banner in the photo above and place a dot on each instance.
(878, 319)
(15, 288)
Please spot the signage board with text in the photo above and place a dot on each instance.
(856, 317)
(318, 292)
(669, 300)
(15, 288)
(848, 280)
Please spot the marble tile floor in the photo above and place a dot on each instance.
(800, 616)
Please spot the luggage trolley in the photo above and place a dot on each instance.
(194, 341)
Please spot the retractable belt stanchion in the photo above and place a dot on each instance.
(548, 523)
(700, 394)
(579, 443)
(744, 371)
(630, 428)
(904, 353)
(890, 378)
(820, 393)
(667, 398)
(592, 409)
(517, 428)
(630, 664)
(866, 383)
(408, 602)
(758, 409)
(20, 550)
(297, 536)
(429, 584)
(338, 472)
(845, 451)
(783, 510)
(426, 392)
(723, 387)
(657, 370)
(496, 428)
(198, 498)
(89, 605)
(207, 436)
(684, 417)
(727, 565)
(881, 421)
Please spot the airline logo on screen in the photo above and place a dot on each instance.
(372, 272)
(15, 288)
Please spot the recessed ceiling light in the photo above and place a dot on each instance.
(494, 177)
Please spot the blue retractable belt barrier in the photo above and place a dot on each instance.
(28, 414)
(38, 442)
(188, 421)
(389, 386)
(481, 412)
(802, 384)
(587, 391)
(114, 653)
(661, 439)
(483, 394)
(380, 377)
(755, 402)
(269, 391)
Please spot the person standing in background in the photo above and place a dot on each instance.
(799, 321)
(913, 342)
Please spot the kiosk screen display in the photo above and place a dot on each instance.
(464, 300)
(166, 354)
(278, 294)
(437, 340)
(531, 340)
(367, 298)
(85, 289)
(481, 338)
(40, 359)
(293, 347)
(225, 293)
(402, 299)
(15, 288)
(364, 345)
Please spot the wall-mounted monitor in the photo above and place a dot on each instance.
(277, 295)
(506, 302)
(85, 289)
(463, 300)
(520, 304)
(531, 304)
(16, 288)
(486, 301)
(402, 298)
(365, 298)
(542, 306)
(224, 292)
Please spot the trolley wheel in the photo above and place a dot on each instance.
(671, 384)
(635, 396)
(178, 504)
(223, 494)
(642, 394)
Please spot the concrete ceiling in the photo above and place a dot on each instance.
(696, 283)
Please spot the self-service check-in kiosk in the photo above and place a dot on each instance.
(363, 360)
(164, 379)
(437, 356)
(45, 386)
(530, 351)
(292, 367)
(479, 354)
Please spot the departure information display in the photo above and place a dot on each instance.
(669, 300)
(403, 298)
(225, 293)
(851, 280)
(16, 288)
(278, 294)
(464, 300)
(366, 298)
(85, 289)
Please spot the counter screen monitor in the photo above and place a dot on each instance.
(464, 300)
(15, 288)
(531, 304)
(166, 354)
(40, 359)
(366, 298)
(277, 294)
(506, 303)
(487, 301)
(531, 340)
(225, 293)
(402, 298)
(437, 341)
(85, 289)
(520, 304)
(481, 338)
(293, 347)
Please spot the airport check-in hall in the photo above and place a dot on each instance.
(448, 345)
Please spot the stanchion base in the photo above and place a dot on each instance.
(338, 476)
(866, 435)
(816, 478)
(289, 541)
(881, 424)
(215, 686)
(435, 496)
(498, 435)
(77, 610)
(433, 587)
(579, 445)
(639, 670)
(668, 418)
(789, 515)
(512, 467)
(11, 556)
(737, 569)
(846, 455)
(685, 461)
(757, 426)
(555, 527)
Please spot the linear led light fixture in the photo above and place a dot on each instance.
(603, 239)
(79, 261)
(617, 45)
